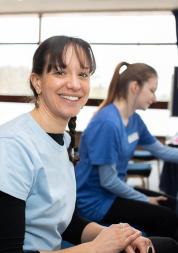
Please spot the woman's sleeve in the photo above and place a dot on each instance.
(74, 231)
(12, 223)
(111, 182)
(145, 137)
(163, 152)
(16, 170)
(102, 143)
(16, 177)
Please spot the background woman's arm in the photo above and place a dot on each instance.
(110, 181)
(163, 152)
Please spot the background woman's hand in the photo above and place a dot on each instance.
(115, 238)
(155, 200)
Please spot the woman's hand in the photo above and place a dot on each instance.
(140, 244)
(115, 238)
(155, 200)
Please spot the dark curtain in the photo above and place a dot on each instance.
(174, 99)
(175, 12)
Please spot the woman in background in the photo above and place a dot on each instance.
(107, 145)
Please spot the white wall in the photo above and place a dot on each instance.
(158, 121)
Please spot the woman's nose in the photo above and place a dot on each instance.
(74, 83)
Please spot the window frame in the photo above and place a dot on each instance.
(91, 101)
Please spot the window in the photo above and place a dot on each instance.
(19, 28)
(121, 27)
(115, 37)
(162, 57)
(15, 69)
(18, 41)
(148, 37)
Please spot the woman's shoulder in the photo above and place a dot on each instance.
(14, 126)
(105, 119)
(22, 131)
(136, 117)
(135, 121)
(108, 114)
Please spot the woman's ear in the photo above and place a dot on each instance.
(36, 82)
(134, 87)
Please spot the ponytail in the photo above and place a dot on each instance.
(114, 85)
(118, 88)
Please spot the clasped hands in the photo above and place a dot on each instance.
(122, 237)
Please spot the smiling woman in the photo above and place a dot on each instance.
(63, 86)
(37, 194)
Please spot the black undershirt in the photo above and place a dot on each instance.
(59, 138)
(12, 220)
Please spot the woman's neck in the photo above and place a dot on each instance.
(48, 122)
(124, 109)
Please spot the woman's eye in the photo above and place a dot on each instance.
(60, 72)
(84, 75)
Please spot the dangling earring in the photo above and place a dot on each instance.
(37, 99)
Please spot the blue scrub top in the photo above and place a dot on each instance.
(105, 141)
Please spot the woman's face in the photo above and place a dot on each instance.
(146, 95)
(65, 91)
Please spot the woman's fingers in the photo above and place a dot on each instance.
(115, 238)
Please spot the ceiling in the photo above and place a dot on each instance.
(18, 6)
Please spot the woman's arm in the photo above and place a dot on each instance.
(77, 224)
(163, 152)
(99, 239)
(93, 236)
(12, 223)
(110, 181)
(96, 238)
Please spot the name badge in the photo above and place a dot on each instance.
(133, 137)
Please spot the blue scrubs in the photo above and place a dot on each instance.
(106, 140)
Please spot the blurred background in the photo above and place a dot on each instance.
(118, 30)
